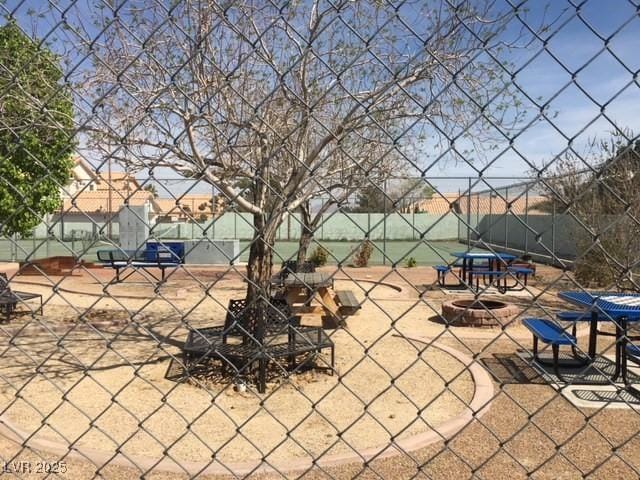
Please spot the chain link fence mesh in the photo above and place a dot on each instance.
(239, 239)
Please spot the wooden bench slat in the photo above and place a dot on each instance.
(347, 299)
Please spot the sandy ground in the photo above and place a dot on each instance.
(121, 385)
(132, 394)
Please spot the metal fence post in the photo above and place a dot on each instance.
(13, 248)
(384, 227)
(553, 230)
(506, 217)
(469, 215)
(526, 221)
(490, 217)
(413, 223)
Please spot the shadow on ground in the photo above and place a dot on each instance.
(509, 368)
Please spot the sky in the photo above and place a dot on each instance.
(602, 97)
(586, 73)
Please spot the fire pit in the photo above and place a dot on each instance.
(478, 313)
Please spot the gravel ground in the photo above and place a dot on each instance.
(528, 431)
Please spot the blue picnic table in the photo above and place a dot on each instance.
(493, 262)
(619, 308)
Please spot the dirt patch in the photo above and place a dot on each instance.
(131, 387)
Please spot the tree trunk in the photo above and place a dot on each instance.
(306, 234)
(260, 259)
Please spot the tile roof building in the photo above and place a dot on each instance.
(190, 207)
(441, 204)
(90, 193)
(98, 201)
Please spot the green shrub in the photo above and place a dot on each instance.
(363, 254)
(411, 262)
(319, 256)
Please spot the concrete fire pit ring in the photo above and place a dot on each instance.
(479, 312)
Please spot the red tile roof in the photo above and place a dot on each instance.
(441, 204)
(98, 201)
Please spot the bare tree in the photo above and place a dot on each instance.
(333, 193)
(600, 190)
(314, 98)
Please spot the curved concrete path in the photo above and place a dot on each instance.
(482, 398)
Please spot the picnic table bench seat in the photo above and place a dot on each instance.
(509, 270)
(347, 301)
(521, 270)
(521, 276)
(521, 273)
(571, 316)
(548, 331)
(442, 271)
(493, 273)
(10, 298)
(551, 333)
(442, 268)
(633, 352)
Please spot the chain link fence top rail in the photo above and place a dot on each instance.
(220, 221)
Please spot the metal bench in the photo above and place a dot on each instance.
(349, 304)
(9, 298)
(521, 273)
(139, 259)
(631, 354)
(573, 316)
(258, 333)
(442, 271)
(499, 278)
(552, 334)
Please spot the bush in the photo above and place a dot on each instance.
(612, 263)
(362, 256)
(319, 256)
(411, 262)
(591, 272)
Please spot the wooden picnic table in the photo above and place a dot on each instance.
(311, 296)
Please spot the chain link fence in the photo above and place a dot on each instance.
(519, 219)
(314, 239)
